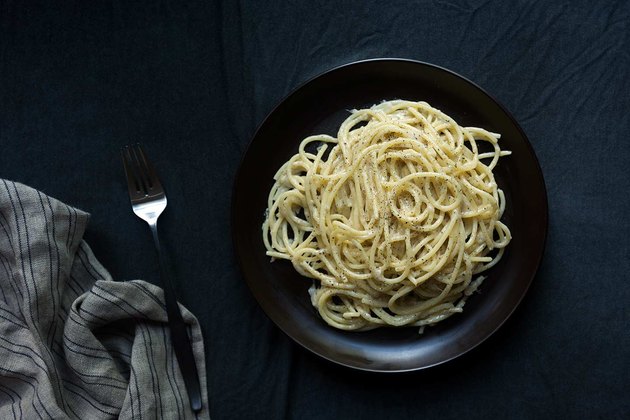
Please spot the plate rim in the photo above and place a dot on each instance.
(294, 91)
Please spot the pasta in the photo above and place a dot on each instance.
(394, 219)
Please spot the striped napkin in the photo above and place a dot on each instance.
(74, 344)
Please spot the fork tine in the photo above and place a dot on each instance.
(132, 180)
(140, 173)
(151, 177)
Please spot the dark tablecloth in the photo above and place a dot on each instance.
(192, 80)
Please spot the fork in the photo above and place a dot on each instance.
(148, 201)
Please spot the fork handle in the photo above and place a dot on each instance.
(179, 331)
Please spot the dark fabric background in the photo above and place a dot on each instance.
(192, 80)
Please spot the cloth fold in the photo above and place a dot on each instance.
(73, 342)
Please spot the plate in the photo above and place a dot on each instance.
(319, 106)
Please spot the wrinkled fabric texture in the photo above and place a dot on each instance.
(74, 343)
(192, 80)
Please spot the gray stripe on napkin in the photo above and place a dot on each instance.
(73, 342)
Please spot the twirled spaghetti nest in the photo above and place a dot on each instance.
(394, 218)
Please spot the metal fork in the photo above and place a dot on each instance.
(148, 201)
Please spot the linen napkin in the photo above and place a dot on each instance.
(74, 343)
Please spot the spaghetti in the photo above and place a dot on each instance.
(394, 218)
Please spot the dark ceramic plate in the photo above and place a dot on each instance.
(319, 106)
